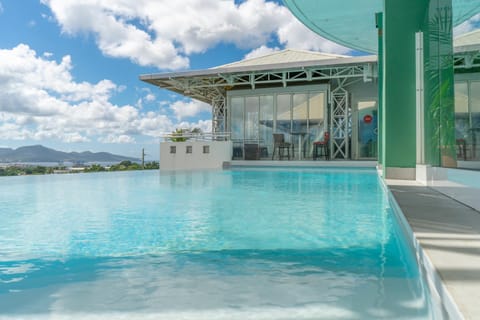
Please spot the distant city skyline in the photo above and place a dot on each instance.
(69, 69)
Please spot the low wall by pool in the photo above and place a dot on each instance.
(194, 155)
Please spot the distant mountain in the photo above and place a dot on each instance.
(40, 153)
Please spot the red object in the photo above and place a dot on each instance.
(326, 137)
(367, 118)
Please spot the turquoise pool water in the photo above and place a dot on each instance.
(234, 244)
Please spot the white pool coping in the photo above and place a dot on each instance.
(439, 293)
(446, 234)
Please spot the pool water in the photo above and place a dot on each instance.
(233, 244)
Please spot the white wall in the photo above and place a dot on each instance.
(220, 152)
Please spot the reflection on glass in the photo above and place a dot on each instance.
(266, 124)
(237, 106)
(237, 117)
(299, 119)
(284, 115)
(251, 118)
(467, 120)
(461, 110)
(255, 118)
(316, 121)
(367, 129)
(475, 119)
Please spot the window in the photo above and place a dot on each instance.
(189, 149)
(173, 149)
(206, 149)
(237, 107)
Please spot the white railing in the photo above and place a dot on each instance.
(188, 136)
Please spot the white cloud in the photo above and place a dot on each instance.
(189, 108)
(40, 100)
(293, 34)
(469, 25)
(204, 125)
(260, 51)
(75, 137)
(164, 33)
(123, 138)
(150, 97)
(1, 8)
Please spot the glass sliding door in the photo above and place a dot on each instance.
(251, 119)
(467, 121)
(367, 129)
(237, 106)
(299, 121)
(266, 125)
(316, 120)
(475, 119)
(299, 113)
(284, 115)
(462, 119)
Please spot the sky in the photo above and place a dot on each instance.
(69, 69)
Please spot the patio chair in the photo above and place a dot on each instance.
(252, 151)
(321, 148)
(280, 146)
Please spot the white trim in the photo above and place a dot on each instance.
(420, 100)
(276, 90)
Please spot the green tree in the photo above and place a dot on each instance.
(152, 165)
(178, 134)
(95, 168)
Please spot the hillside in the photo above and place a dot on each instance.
(40, 153)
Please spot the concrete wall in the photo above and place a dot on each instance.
(461, 185)
(218, 153)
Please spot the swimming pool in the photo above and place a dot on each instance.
(234, 244)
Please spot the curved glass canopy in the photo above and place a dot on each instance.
(352, 22)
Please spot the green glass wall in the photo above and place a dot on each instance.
(439, 85)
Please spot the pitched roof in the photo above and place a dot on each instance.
(467, 42)
(281, 57)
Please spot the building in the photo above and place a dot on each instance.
(304, 94)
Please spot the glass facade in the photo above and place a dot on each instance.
(367, 129)
(467, 120)
(256, 115)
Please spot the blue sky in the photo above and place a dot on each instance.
(69, 69)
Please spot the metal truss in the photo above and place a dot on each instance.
(340, 121)
(466, 60)
(212, 87)
(219, 110)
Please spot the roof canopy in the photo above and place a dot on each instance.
(467, 42)
(281, 68)
(352, 22)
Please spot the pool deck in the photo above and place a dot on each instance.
(449, 234)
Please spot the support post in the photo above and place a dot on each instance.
(401, 21)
